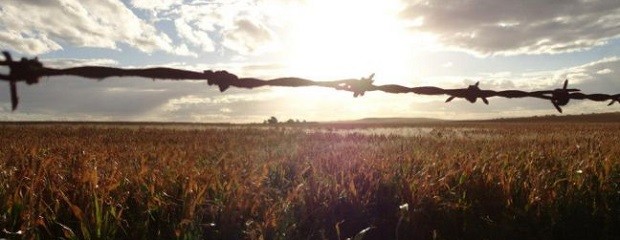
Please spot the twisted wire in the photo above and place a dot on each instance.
(31, 70)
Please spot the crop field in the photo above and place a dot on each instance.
(446, 181)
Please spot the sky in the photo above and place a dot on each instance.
(503, 44)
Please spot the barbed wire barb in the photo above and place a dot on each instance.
(31, 70)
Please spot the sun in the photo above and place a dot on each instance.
(334, 39)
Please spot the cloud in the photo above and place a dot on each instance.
(592, 77)
(134, 99)
(155, 5)
(248, 36)
(139, 99)
(36, 27)
(111, 99)
(241, 26)
(76, 62)
(263, 70)
(604, 71)
(27, 43)
(194, 36)
(244, 27)
(507, 27)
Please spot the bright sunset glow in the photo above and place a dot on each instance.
(349, 38)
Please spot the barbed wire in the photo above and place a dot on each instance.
(31, 70)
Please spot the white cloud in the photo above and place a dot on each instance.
(593, 77)
(447, 65)
(155, 4)
(518, 27)
(588, 76)
(27, 43)
(75, 62)
(604, 71)
(245, 26)
(36, 27)
(177, 103)
(183, 50)
(241, 26)
(248, 37)
(241, 69)
(585, 77)
(194, 36)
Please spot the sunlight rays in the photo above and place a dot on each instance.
(328, 40)
(332, 40)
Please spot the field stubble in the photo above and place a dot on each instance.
(509, 181)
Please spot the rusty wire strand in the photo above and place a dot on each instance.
(31, 70)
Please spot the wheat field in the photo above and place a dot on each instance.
(447, 181)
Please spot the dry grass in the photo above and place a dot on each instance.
(511, 181)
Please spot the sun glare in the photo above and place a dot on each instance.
(334, 39)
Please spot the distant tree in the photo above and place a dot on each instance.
(290, 121)
(272, 120)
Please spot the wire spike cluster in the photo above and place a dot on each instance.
(31, 70)
(471, 94)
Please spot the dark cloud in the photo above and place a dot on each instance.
(70, 98)
(116, 98)
(517, 27)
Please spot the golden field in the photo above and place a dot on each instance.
(311, 181)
